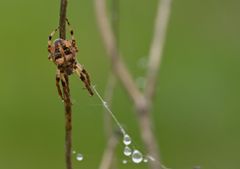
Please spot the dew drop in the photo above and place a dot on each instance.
(145, 160)
(74, 152)
(79, 157)
(127, 151)
(151, 158)
(105, 104)
(137, 156)
(124, 161)
(127, 139)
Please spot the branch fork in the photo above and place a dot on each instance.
(142, 100)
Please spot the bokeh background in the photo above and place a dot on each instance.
(196, 111)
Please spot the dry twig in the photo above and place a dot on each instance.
(107, 161)
(142, 101)
(157, 45)
(67, 99)
(108, 155)
(118, 66)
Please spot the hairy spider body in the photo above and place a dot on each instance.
(63, 54)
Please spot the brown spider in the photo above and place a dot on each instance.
(63, 54)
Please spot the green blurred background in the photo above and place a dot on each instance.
(196, 110)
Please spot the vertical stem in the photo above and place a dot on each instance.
(62, 19)
(67, 99)
(68, 130)
(108, 160)
(149, 139)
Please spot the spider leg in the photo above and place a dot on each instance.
(83, 75)
(62, 52)
(87, 76)
(65, 85)
(67, 82)
(50, 40)
(58, 78)
(50, 57)
(72, 36)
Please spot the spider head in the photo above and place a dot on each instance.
(64, 44)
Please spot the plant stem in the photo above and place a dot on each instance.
(67, 99)
(62, 19)
(68, 130)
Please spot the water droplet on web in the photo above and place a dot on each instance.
(145, 160)
(124, 161)
(151, 158)
(79, 157)
(127, 139)
(137, 156)
(127, 151)
(105, 104)
(74, 152)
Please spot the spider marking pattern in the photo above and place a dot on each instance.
(63, 54)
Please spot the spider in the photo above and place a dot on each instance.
(63, 54)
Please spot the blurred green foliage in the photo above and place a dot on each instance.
(196, 111)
